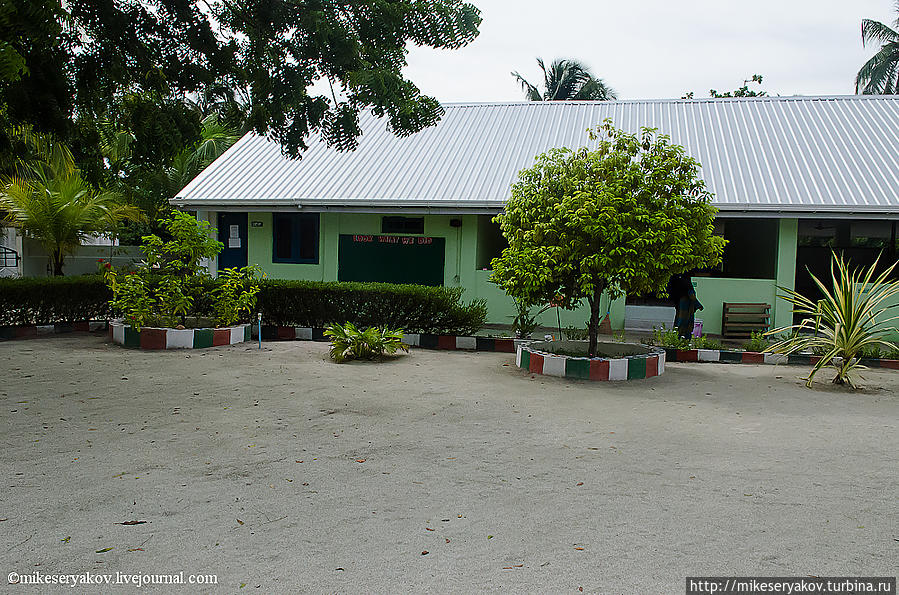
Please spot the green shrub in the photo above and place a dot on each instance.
(757, 342)
(524, 323)
(348, 342)
(416, 308)
(573, 333)
(235, 296)
(854, 315)
(665, 337)
(871, 352)
(704, 342)
(48, 300)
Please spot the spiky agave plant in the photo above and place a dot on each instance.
(349, 342)
(851, 317)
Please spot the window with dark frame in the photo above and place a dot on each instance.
(411, 225)
(295, 238)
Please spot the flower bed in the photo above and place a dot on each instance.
(537, 357)
(174, 338)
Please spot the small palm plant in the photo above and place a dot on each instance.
(852, 317)
(349, 342)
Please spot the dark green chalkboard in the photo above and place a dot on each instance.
(400, 259)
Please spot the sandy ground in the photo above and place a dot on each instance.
(279, 471)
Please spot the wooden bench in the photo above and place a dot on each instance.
(739, 320)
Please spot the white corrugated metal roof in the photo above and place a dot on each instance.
(774, 154)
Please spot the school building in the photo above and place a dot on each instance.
(793, 179)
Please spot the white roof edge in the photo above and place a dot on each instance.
(661, 100)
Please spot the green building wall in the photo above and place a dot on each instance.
(460, 266)
(462, 261)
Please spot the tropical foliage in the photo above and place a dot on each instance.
(349, 342)
(148, 184)
(880, 74)
(743, 91)
(566, 79)
(621, 218)
(172, 285)
(68, 62)
(235, 295)
(51, 202)
(853, 317)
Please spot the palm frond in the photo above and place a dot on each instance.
(875, 31)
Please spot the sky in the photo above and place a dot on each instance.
(658, 48)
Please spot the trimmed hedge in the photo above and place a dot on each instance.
(48, 300)
(415, 308)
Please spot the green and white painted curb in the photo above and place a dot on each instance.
(173, 338)
(530, 357)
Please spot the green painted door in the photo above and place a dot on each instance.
(391, 259)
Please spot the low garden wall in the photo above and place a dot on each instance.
(174, 338)
(536, 357)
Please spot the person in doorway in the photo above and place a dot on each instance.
(682, 294)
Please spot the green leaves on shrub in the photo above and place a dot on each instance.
(665, 337)
(416, 308)
(48, 300)
(348, 342)
(757, 342)
(235, 295)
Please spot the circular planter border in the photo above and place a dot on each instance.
(632, 367)
(172, 338)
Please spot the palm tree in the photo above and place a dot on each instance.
(149, 189)
(567, 79)
(880, 74)
(60, 210)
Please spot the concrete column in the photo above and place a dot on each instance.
(787, 244)
(329, 224)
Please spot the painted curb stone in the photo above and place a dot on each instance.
(530, 357)
(153, 338)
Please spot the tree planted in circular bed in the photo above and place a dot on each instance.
(620, 218)
(171, 288)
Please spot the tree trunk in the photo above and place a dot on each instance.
(593, 325)
(57, 262)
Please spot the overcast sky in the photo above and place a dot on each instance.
(658, 48)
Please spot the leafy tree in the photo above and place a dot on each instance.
(60, 210)
(620, 218)
(880, 74)
(149, 185)
(743, 91)
(566, 79)
(82, 56)
(34, 88)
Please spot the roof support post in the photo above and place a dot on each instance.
(787, 247)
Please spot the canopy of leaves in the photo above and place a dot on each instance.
(191, 241)
(83, 56)
(743, 91)
(622, 217)
(566, 79)
(880, 74)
